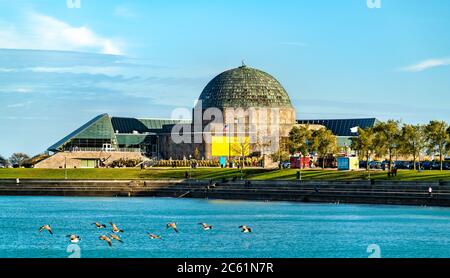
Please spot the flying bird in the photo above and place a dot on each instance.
(99, 225)
(205, 226)
(173, 226)
(153, 236)
(74, 238)
(245, 229)
(107, 239)
(46, 228)
(116, 237)
(115, 229)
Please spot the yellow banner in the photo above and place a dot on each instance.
(234, 146)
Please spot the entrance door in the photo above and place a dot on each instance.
(89, 163)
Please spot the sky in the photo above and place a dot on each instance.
(61, 65)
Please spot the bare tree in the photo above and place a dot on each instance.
(3, 161)
(17, 159)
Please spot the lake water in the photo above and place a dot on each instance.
(280, 229)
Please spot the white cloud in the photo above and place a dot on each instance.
(20, 104)
(23, 90)
(109, 71)
(124, 11)
(427, 64)
(15, 88)
(14, 118)
(300, 44)
(47, 33)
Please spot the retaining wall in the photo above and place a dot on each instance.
(363, 192)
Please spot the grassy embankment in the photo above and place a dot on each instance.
(212, 173)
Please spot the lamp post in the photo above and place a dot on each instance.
(416, 165)
(229, 147)
(190, 166)
(301, 165)
(235, 121)
(279, 156)
(65, 168)
(157, 147)
(243, 161)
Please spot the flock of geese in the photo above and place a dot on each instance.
(116, 231)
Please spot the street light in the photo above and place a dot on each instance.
(65, 167)
(229, 146)
(190, 166)
(280, 165)
(157, 147)
(300, 168)
(235, 122)
(243, 162)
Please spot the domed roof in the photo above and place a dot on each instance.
(244, 87)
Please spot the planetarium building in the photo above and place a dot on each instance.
(241, 112)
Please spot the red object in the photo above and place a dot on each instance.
(303, 162)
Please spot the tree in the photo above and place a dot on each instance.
(387, 137)
(3, 161)
(299, 139)
(242, 148)
(280, 156)
(448, 143)
(197, 154)
(437, 134)
(412, 141)
(263, 143)
(364, 144)
(324, 142)
(17, 159)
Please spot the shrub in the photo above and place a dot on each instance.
(125, 163)
(187, 163)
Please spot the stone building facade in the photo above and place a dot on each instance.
(241, 102)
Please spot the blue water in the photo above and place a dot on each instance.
(280, 229)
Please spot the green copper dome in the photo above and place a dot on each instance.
(244, 87)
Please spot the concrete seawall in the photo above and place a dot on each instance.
(362, 192)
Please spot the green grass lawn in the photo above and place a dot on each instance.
(213, 173)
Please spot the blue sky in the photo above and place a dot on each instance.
(60, 67)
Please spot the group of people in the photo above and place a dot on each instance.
(393, 172)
